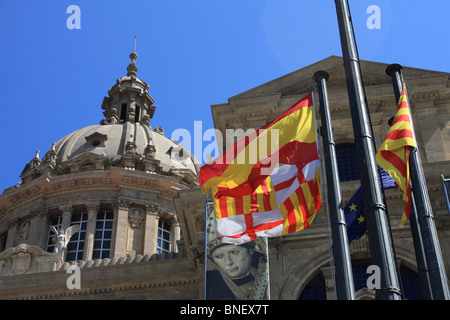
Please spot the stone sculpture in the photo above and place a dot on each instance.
(62, 238)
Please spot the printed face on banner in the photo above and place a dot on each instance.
(234, 272)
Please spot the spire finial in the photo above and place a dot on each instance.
(132, 69)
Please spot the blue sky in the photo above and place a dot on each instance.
(193, 54)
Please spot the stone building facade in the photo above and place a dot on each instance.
(300, 263)
(135, 195)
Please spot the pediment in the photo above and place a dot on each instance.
(87, 156)
(96, 139)
(301, 81)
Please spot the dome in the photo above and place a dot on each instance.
(112, 142)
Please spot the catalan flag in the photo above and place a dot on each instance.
(393, 155)
(277, 194)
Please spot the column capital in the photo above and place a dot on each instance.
(124, 204)
(67, 209)
(93, 207)
(37, 212)
(13, 223)
(152, 208)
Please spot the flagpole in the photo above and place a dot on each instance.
(422, 268)
(324, 195)
(447, 196)
(341, 252)
(425, 219)
(377, 224)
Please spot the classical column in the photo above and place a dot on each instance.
(132, 108)
(151, 228)
(120, 228)
(176, 233)
(44, 224)
(13, 228)
(35, 227)
(92, 211)
(67, 210)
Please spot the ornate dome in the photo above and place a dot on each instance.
(118, 142)
(123, 139)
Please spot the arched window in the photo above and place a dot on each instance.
(315, 289)
(347, 163)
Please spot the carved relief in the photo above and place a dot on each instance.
(23, 232)
(135, 218)
(21, 262)
(25, 259)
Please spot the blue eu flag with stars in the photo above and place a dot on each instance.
(354, 210)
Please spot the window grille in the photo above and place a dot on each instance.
(164, 237)
(347, 163)
(103, 235)
(76, 244)
(55, 222)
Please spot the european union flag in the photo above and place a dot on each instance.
(354, 210)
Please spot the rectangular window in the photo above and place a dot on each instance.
(347, 162)
(103, 235)
(55, 222)
(123, 112)
(137, 112)
(76, 244)
(164, 237)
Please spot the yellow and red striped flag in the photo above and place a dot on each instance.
(393, 155)
(279, 192)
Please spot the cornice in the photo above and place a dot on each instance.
(156, 263)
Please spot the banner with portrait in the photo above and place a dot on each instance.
(234, 272)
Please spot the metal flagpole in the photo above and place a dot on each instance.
(433, 254)
(422, 268)
(377, 224)
(424, 276)
(341, 252)
(324, 195)
(446, 187)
